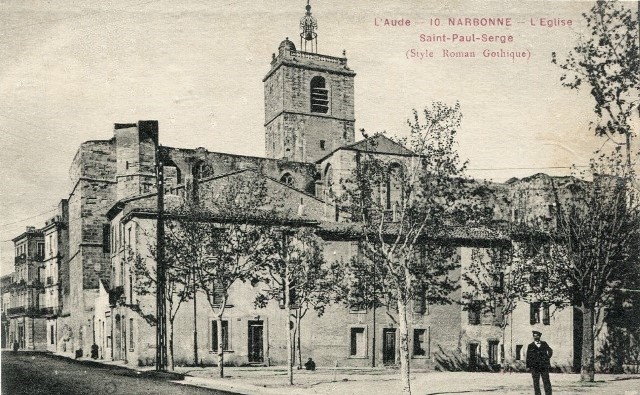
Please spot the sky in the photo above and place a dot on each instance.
(69, 70)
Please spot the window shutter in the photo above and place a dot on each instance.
(214, 335)
(354, 342)
(106, 242)
(209, 336)
(218, 294)
(497, 316)
(546, 319)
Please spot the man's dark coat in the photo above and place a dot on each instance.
(538, 357)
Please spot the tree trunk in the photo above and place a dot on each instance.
(299, 345)
(628, 143)
(195, 328)
(587, 371)
(220, 347)
(171, 362)
(287, 307)
(404, 346)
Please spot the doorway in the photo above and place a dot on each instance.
(256, 339)
(117, 339)
(473, 356)
(389, 346)
(21, 340)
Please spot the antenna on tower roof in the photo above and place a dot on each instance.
(308, 36)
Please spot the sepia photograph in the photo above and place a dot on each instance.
(320, 197)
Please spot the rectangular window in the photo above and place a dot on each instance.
(539, 280)
(358, 345)
(534, 313)
(518, 352)
(130, 289)
(131, 341)
(420, 298)
(493, 352)
(218, 293)
(498, 317)
(40, 250)
(498, 282)
(420, 304)
(214, 335)
(53, 336)
(421, 343)
(322, 145)
(474, 314)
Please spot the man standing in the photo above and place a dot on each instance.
(538, 355)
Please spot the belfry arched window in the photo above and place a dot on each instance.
(319, 95)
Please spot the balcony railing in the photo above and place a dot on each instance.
(318, 57)
(22, 258)
(49, 311)
(13, 311)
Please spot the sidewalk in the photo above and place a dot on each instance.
(370, 381)
(272, 381)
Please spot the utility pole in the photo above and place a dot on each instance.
(161, 328)
(195, 320)
(287, 303)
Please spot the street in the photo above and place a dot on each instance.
(28, 373)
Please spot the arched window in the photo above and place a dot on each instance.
(328, 180)
(319, 95)
(393, 186)
(202, 170)
(287, 179)
(172, 171)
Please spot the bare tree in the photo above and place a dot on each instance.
(592, 250)
(178, 286)
(296, 276)
(224, 241)
(494, 283)
(403, 208)
(607, 62)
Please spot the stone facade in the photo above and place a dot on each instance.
(297, 129)
(55, 273)
(26, 327)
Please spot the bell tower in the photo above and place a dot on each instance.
(308, 99)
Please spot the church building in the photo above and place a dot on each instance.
(309, 146)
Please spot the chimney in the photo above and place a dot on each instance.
(148, 130)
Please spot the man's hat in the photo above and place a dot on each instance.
(537, 333)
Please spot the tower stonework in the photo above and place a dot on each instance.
(309, 104)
